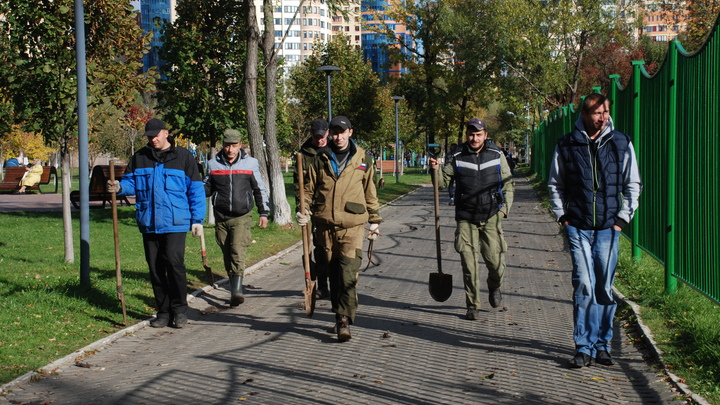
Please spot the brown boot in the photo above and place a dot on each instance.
(343, 328)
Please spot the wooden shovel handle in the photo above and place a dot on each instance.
(118, 273)
(305, 232)
(437, 218)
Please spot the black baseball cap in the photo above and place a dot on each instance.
(341, 121)
(477, 124)
(154, 126)
(319, 127)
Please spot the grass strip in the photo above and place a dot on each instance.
(45, 314)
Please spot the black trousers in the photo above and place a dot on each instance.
(165, 256)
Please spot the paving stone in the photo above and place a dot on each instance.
(406, 348)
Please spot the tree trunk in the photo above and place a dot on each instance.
(279, 205)
(251, 78)
(66, 214)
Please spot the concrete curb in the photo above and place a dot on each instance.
(99, 344)
(647, 337)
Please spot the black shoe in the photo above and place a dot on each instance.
(343, 329)
(180, 320)
(472, 314)
(160, 322)
(603, 357)
(452, 202)
(580, 360)
(495, 298)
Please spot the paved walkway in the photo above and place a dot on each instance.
(406, 348)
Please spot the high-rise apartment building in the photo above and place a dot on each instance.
(313, 22)
(153, 13)
(374, 45)
(662, 21)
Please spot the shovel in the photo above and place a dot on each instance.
(309, 291)
(440, 283)
(203, 251)
(118, 274)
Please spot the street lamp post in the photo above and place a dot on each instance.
(397, 139)
(328, 69)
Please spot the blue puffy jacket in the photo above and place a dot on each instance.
(169, 191)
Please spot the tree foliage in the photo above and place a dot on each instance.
(355, 89)
(204, 53)
(30, 143)
(38, 73)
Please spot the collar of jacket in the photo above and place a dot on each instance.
(164, 155)
(351, 152)
(223, 159)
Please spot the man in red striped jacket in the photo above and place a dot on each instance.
(233, 183)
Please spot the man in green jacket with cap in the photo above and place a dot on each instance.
(233, 182)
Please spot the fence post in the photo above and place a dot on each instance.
(637, 64)
(670, 280)
(612, 93)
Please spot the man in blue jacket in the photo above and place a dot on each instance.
(233, 183)
(170, 201)
(594, 189)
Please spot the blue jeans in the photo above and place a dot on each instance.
(594, 258)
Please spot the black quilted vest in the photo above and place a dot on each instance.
(478, 191)
(593, 178)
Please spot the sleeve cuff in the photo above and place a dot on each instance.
(620, 223)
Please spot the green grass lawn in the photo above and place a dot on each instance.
(46, 314)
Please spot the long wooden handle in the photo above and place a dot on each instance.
(203, 250)
(437, 219)
(118, 273)
(305, 233)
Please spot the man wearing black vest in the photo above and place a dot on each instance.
(484, 192)
(594, 188)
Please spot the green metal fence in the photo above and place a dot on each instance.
(674, 120)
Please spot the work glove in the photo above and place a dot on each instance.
(374, 231)
(197, 230)
(113, 186)
(302, 218)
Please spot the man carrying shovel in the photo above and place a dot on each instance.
(309, 150)
(170, 201)
(484, 192)
(340, 192)
(233, 182)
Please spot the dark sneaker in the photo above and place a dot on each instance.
(472, 314)
(452, 202)
(180, 320)
(580, 360)
(495, 298)
(160, 322)
(603, 357)
(343, 329)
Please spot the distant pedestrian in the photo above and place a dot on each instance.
(594, 188)
(233, 183)
(33, 175)
(170, 201)
(318, 140)
(483, 197)
(341, 194)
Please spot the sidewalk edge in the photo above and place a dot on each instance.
(99, 344)
(656, 352)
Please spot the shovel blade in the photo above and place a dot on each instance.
(440, 286)
(309, 293)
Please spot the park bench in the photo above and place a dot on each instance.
(386, 166)
(99, 176)
(13, 175)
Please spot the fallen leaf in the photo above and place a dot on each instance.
(378, 381)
